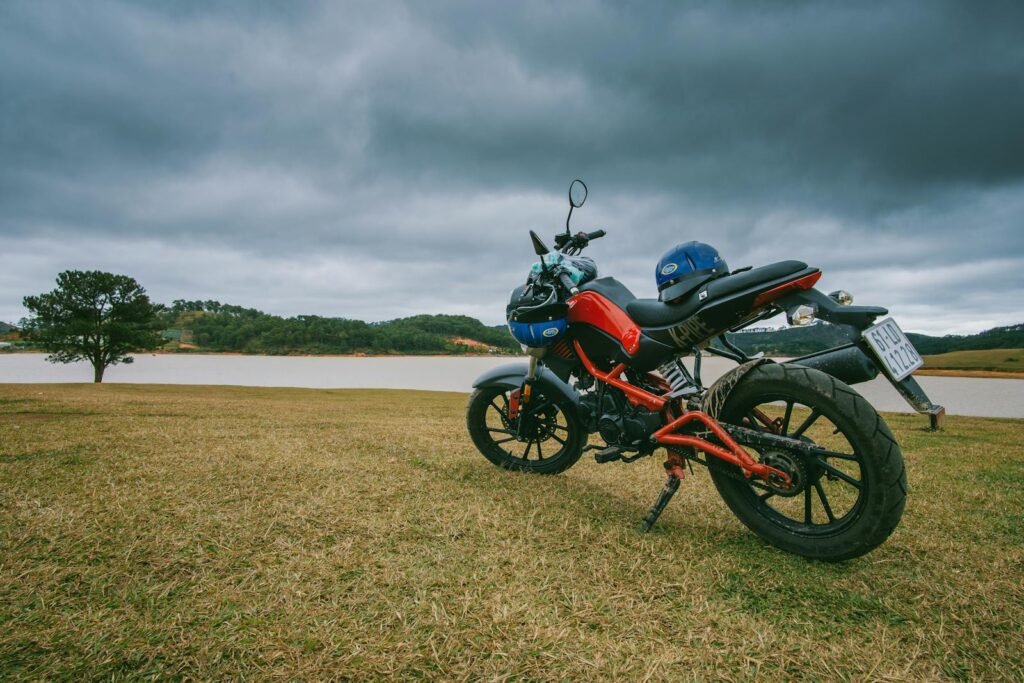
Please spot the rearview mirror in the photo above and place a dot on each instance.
(577, 193)
(539, 247)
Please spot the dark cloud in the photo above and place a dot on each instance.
(374, 160)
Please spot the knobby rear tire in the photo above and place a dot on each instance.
(881, 497)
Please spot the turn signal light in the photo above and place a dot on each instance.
(843, 297)
(802, 315)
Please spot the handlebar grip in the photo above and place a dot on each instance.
(567, 282)
(594, 235)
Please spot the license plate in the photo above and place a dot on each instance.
(892, 347)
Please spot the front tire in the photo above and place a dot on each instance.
(843, 504)
(549, 441)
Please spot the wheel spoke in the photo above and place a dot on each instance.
(500, 431)
(811, 419)
(501, 441)
(555, 437)
(839, 474)
(786, 418)
(766, 421)
(822, 453)
(765, 496)
(807, 506)
(760, 485)
(824, 500)
(540, 453)
(753, 421)
(500, 412)
(526, 453)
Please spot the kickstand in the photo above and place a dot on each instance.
(671, 486)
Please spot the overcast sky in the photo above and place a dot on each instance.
(375, 160)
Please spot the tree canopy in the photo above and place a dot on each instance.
(222, 327)
(94, 316)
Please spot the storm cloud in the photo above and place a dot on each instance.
(373, 160)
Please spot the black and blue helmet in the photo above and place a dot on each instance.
(685, 267)
(536, 318)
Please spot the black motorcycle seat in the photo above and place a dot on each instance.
(611, 289)
(654, 313)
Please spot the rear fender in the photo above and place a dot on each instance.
(513, 375)
(718, 394)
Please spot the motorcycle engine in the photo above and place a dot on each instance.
(619, 423)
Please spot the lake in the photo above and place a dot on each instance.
(960, 395)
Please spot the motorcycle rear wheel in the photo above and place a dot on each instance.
(549, 441)
(847, 500)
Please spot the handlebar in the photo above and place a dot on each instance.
(567, 282)
(574, 244)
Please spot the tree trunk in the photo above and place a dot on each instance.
(98, 369)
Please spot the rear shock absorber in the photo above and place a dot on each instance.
(679, 378)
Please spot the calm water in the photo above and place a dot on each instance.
(960, 395)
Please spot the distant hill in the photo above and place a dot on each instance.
(5, 327)
(1008, 337)
(798, 341)
(213, 326)
(979, 360)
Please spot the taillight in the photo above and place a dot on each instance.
(805, 282)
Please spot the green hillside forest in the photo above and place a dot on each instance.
(213, 326)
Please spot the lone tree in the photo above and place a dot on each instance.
(94, 316)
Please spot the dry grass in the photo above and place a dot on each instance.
(211, 532)
(988, 363)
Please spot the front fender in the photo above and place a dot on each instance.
(513, 374)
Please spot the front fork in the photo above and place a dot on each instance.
(519, 401)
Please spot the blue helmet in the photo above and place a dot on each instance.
(536, 318)
(685, 267)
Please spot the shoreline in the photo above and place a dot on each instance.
(293, 355)
(983, 374)
(923, 372)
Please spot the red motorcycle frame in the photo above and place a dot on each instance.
(611, 364)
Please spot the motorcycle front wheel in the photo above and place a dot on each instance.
(546, 438)
(847, 497)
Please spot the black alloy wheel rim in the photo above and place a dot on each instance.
(831, 486)
(542, 435)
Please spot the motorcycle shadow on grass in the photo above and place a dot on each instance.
(609, 507)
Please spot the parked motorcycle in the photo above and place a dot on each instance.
(798, 456)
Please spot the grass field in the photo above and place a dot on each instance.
(988, 361)
(215, 532)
